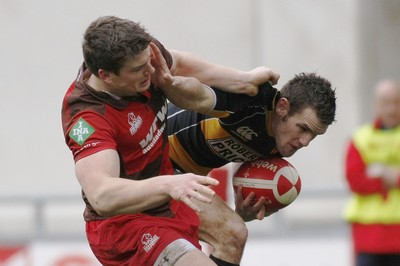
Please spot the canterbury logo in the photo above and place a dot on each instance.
(246, 133)
(134, 122)
(149, 241)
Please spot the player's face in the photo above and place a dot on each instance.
(296, 131)
(134, 76)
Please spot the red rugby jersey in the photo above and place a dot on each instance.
(133, 126)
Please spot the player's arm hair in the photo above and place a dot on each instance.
(190, 94)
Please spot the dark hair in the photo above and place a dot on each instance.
(310, 90)
(109, 41)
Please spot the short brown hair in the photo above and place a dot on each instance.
(109, 41)
(310, 90)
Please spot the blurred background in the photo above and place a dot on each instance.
(353, 43)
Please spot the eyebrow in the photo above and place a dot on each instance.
(316, 131)
(142, 65)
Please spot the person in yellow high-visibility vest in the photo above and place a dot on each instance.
(373, 175)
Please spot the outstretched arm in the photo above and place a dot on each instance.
(230, 79)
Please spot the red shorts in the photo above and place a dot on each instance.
(139, 239)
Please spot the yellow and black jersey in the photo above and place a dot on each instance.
(237, 130)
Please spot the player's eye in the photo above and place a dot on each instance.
(303, 128)
(137, 69)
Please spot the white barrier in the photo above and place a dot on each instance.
(76, 253)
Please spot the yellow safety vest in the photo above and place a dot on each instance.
(376, 146)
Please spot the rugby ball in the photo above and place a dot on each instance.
(274, 178)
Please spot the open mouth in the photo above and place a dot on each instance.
(295, 147)
(146, 82)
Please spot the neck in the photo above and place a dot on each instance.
(96, 83)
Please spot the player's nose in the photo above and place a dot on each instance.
(305, 141)
(149, 69)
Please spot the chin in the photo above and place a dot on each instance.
(143, 89)
(287, 153)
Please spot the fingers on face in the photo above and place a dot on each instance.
(154, 49)
(157, 57)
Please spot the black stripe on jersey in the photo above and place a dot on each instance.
(186, 127)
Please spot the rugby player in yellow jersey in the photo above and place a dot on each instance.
(244, 128)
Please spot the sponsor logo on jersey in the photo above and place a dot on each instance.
(246, 133)
(135, 122)
(149, 241)
(231, 150)
(81, 131)
(87, 145)
(154, 132)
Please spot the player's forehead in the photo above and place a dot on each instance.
(309, 118)
(139, 60)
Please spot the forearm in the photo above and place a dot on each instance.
(189, 93)
(115, 196)
(122, 196)
(109, 194)
(208, 73)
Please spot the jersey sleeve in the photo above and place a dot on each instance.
(88, 133)
(232, 102)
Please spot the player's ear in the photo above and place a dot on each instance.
(105, 75)
(282, 107)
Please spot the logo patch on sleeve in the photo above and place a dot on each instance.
(81, 131)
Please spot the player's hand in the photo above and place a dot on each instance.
(250, 212)
(258, 76)
(161, 77)
(186, 187)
